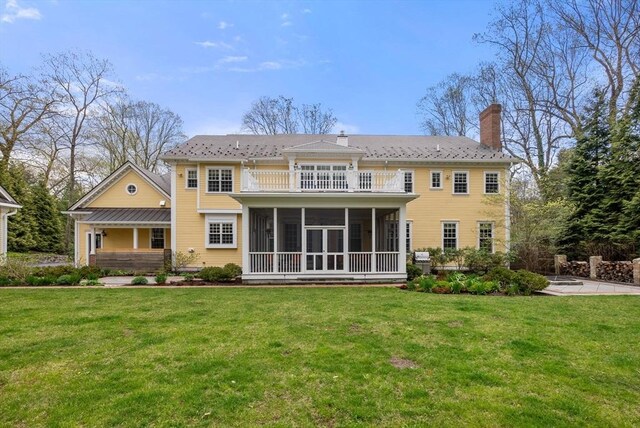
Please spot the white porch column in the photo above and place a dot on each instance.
(303, 267)
(292, 174)
(275, 241)
(93, 242)
(402, 239)
(374, 267)
(346, 240)
(246, 268)
(135, 238)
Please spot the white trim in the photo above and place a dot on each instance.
(220, 211)
(434, 171)
(126, 189)
(245, 240)
(135, 238)
(174, 212)
(484, 186)
(453, 182)
(507, 211)
(186, 178)
(127, 223)
(457, 223)
(223, 219)
(402, 238)
(493, 234)
(413, 179)
(410, 227)
(219, 168)
(164, 237)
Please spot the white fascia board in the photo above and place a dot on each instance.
(219, 211)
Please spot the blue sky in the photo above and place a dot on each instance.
(370, 61)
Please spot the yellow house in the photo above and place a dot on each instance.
(8, 207)
(319, 207)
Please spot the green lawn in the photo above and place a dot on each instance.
(284, 357)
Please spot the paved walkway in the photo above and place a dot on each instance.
(591, 288)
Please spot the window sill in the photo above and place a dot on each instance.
(220, 246)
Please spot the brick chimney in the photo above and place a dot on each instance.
(490, 127)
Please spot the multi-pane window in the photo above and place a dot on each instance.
(485, 236)
(192, 178)
(408, 181)
(460, 182)
(436, 179)
(219, 180)
(221, 233)
(491, 182)
(323, 177)
(157, 238)
(409, 244)
(449, 235)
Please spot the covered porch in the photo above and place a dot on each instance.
(135, 239)
(315, 243)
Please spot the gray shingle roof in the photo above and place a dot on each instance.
(162, 181)
(374, 147)
(129, 215)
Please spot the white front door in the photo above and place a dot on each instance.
(325, 249)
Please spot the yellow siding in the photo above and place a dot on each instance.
(116, 195)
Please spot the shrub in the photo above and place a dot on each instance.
(188, 277)
(504, 276)
(457, 281)
(161, 278)
(139, 280)
(5, 282)
(442, 287)
(413, 271)
(72, 279)
(482, 261)
(16, 270)
(40, 280)
(90, 272)
(232, 270)
(426, 283)
(529, 282)
(411, 285)
(183, 260)
(56, 271)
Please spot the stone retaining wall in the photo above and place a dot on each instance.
(596, 268)
(580, 269)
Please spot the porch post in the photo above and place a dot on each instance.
(93, 241)
(292, 174)
(374, 262)
(135, 238)
(346, 240)
(246, 264)
(275, 241)
(303, 266)
(402, 239)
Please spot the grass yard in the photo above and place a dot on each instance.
(238, 357)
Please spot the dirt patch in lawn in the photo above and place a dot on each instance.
(455, 324)
(403, 363)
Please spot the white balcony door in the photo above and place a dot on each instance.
(323, 177)
(325, 249)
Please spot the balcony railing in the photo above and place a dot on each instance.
(322, 181)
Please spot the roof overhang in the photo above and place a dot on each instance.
(9, 205)
(343, 199)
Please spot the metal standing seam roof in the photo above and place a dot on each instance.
(373, 147)
(129, 215)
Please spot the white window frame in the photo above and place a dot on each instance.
(413, 179)
(186, 178)
(453, 182)
(221, 218)
(485, 183)
(409, 238)
(493, 233)
(126, 189)
(457, 223)
(219, 168)
(431, 173)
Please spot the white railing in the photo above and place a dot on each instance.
(258, 180)
(292, 262)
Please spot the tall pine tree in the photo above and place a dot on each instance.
(48, 236)
(21, 225)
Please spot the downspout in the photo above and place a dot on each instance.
(507, 211)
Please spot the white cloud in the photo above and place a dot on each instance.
(306, 10)
(14, 11)
(224, 24)
(231, 59)
(270, 65)
(347, 128)
(286, 22)
(209, 44)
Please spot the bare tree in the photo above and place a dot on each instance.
(313, 120)
(446, 109)
(136, 131)
(271, 116)
(82, 82)
(24, 102)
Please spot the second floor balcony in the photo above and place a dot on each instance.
(330, 180)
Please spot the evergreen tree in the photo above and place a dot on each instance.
(48, 236)
(22, 224)
(585, 188)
